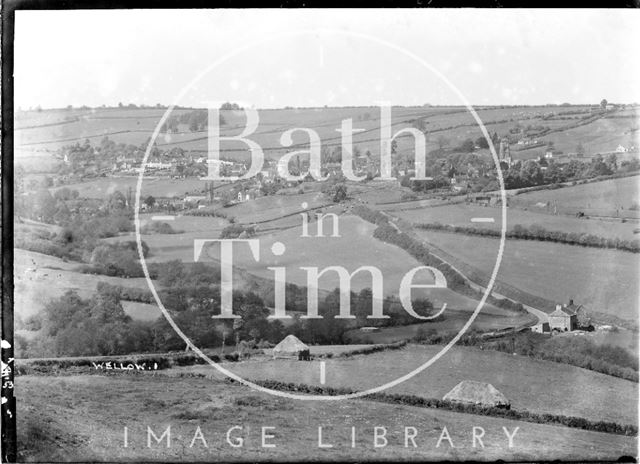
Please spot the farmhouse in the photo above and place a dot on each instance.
(479, 393)
(565, 317)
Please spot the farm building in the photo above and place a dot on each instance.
(479, 393)
(542, 327)
(290, 347)
(565, 317)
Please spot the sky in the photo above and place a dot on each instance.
(277, 58)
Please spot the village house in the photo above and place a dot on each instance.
(196, 199)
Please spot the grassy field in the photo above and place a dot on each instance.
(65, 419)
(461, 214)
(102, 187)
(540, 386)
(596, 198)
(453, 321)
(39, 278)
(600, 136)
(601, 280)
(392, 261)
(55, 128)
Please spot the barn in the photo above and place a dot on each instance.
(478, 393)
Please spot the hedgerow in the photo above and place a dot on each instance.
(535, 232)
(389, 233)
(412, 400)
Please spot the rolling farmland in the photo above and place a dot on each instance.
(71, 409)
(602, 280)
(539, 386)
(603, 198)
(461, 214)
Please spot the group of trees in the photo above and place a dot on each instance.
(195, 120)
(335, 189)
(531, 173)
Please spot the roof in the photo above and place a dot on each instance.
(566, 310)
(572, 308)
(290, 345)
(472, 392)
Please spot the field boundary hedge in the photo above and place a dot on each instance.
(490, 411)
(390, 233)
(538, 233)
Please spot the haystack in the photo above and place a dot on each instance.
(289, 347)
(479, 393)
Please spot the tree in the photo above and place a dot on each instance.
(603, 103)
(482, 142)
(150, 201)
(44, 206)
(580, 148)
(467, 146)
(336, 191)
(117, 201)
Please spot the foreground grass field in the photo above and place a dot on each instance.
(538, 386)
(82, 418)
(602, 280)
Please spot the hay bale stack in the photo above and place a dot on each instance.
(478, 393)
(290, 347)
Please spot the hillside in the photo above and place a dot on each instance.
(65, 418)
(537, 386)
(596, 278)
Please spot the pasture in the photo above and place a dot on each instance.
(454, 320)
(613, 197)
(55, 128)
(65, 418)
(538, 215)
(102, 187)
(602, 280)
(534, 385)
(354, 248)
(39, 278)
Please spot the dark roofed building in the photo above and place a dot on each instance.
(565, 317)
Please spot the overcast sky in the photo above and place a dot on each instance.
(492, 57)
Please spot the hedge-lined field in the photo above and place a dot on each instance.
(534, 232)
(412, 400)
(600, 279)
(539, 386)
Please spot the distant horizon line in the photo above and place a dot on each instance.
(133, 106)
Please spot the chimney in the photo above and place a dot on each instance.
(570, 302)
(558, 307)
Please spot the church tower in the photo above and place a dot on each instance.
(505, 152)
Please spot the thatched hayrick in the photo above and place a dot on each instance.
(290, 347)
(478, 393)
